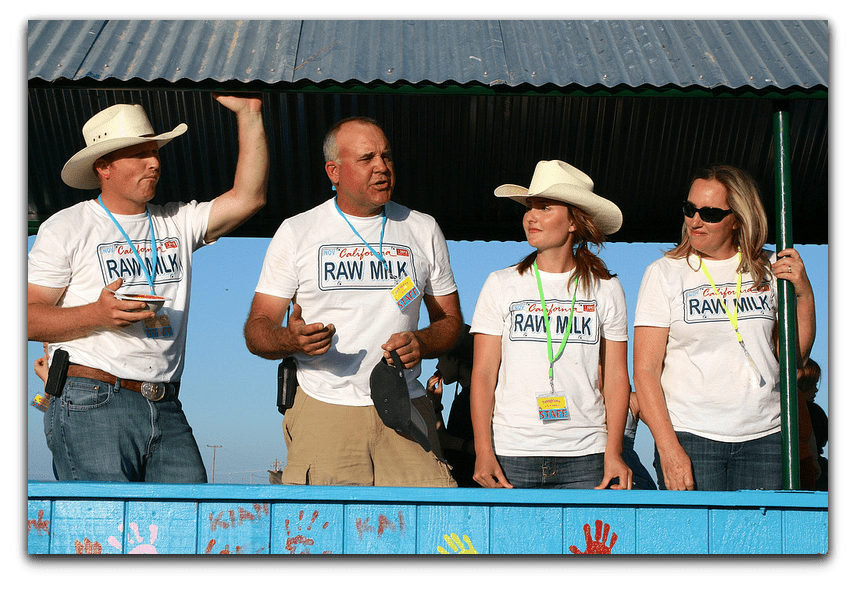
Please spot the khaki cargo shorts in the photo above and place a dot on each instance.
(350, 446)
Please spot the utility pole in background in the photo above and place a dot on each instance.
(214, 462)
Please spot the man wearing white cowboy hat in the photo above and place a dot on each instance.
(115, 415)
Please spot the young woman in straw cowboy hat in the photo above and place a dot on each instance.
(704, 349)
(542, 414)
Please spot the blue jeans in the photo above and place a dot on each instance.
(100, 432)
(720, 466)
(641, 478)
(584, 472)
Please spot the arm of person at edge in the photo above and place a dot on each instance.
(487, 353)
(445, 321)
(249, 191)
(805, 311)
(434, 387)
(616, 397)
(41, 367)
(649, 351)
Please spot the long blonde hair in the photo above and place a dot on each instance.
(744, 200)
(588, 266)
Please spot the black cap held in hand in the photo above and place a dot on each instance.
(391, 399)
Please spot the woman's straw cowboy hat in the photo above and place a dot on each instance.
(114, 128)
(559, 181)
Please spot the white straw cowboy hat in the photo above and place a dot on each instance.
(114, 128)
(559, 181)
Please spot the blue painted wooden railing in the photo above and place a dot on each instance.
(107, 518)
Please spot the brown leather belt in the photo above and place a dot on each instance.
(149, 390)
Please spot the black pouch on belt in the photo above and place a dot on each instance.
(57, 373)
(286, 384)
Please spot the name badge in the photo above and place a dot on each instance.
(405, 293)
(158, 326)
(553, 406)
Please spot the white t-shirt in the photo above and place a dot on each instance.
(318, 261)
(81, 249)
(509, 305)
(710, 387)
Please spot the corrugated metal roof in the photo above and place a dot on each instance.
(483, 102)
(705, 54)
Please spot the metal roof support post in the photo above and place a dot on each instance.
(787, 312)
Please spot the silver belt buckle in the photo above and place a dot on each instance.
(153, 391)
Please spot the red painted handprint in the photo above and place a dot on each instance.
(596, 546)
(292, 543)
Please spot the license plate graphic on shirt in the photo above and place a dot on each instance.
(117, 260)
(527, 321)
(356, 267)
(702, 304)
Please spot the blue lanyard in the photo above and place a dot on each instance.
(356, 233)
(149, 277)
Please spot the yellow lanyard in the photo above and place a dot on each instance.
(732, 317)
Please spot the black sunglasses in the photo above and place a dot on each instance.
(707, 214)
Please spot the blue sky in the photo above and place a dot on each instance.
(228, 394)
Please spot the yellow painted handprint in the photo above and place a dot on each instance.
(457, 547)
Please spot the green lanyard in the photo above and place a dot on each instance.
(550, 355)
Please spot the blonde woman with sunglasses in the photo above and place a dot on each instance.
(705, 363)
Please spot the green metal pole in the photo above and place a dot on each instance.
(787, 311)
